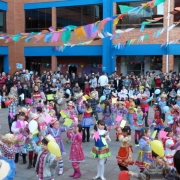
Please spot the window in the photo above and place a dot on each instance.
(2, 21)
(78, 15)
(156, 63)
(177, 16)
(38, 19)
(148, 13)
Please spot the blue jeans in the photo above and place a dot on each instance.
(10, 121)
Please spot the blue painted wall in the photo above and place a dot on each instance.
(74, 51)
(64, 3)
(3, 5)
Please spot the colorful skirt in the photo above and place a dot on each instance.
(124, 157)
(144, 159)
(100, 153)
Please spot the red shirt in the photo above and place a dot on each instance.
(3, 80)
(87, 90)
(157, 82)
(158, 119)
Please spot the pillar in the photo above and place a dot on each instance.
(53, 63)
(54, 19)
(107, 57)
(170, 63)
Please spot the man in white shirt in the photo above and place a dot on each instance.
(103, 80)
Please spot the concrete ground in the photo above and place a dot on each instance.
(88, 168)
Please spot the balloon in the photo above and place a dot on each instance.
(8, 102)
(124, 175)
(157, 91)
(54, 149)
(102, 98)
(157, 147)
(127, 104)
(33, 125)
(166, 108)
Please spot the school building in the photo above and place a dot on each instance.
(18, 16)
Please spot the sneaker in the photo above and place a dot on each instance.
(96, 178)
(60, 172)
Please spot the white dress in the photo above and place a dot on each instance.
(169, 153)
(123, 94)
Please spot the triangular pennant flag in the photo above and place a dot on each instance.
(66, 36)
(125, 9)
(55, 36)
(80, 32)
(48, 37)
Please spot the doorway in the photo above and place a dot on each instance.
(72, 69)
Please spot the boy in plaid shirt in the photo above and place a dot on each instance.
(46, 162)
(157, 170)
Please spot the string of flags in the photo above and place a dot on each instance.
(89, 31)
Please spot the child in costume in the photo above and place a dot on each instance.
(145, 153)
(32, 155)
(8, 152)
(100, 150)
(37, 96)
(177, 135)
(170, 146)
(11, 110)
(55, 131)
(18, 128)
(162, 103)
(86, 121)
(107, 91)
(130, 113)
(138, 123)
(123, 93)
(106, 111)
(94, 102)
(124, 157)
(145, 106)
(120, 110)
(46, 162)
(76, 151)
(51, 109)
(175, 114)
(158, 122)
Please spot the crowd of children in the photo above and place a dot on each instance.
(127, 116)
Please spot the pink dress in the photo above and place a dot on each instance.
(76, 151)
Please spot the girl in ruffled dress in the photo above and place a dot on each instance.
(18, 129)
(55, 131)
(76, 151)
(87, 120)
(124, 157)
(145, 153)
(138, 124)
(106, 111)
(100, 150)
(177, 137)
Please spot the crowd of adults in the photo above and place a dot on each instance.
(23, 82)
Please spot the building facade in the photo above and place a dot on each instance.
(17, 16)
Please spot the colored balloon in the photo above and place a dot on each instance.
(124, 175)
(33, 126)
(157, 147)
(166, 108)
(8, 102)
(157, 91)
(54, 149)
(127, 104)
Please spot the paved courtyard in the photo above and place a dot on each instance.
(88, 168)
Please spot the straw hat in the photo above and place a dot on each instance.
(175, 107)
(78, 95)
(11, 96)
(106, 85)
(114, 94)
(53, 120)
(163, 95)
(67, 82)
(49, 138)
(92, 94)
(131, 97)
(4, 169)
(51, 103)
(144, 95)
(33, 116)
(23, 109)
(120, 103)
(70, 103)
(9, 138)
